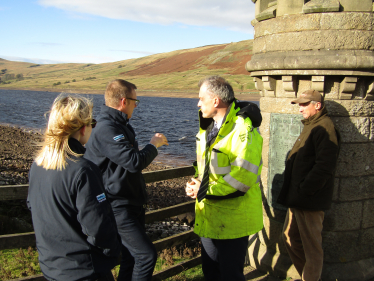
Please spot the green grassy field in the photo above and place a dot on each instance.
(174, 71)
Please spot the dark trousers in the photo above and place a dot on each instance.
(139, 255)
(223, 260)
(108, 276)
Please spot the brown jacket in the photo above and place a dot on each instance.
(310, 167)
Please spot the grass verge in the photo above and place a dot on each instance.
(20, 263)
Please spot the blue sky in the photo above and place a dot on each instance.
(99, 31)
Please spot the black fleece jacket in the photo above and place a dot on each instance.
(310, 167)
(75, 229)
(114, 148)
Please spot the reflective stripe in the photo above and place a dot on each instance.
(235, 183)
(215, 169)
(221, 142)
(240, 162)
(233, 127)
(198, 158)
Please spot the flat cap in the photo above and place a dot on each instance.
(307, 96)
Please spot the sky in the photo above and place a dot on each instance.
(101, 31)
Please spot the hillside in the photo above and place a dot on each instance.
(177, 71)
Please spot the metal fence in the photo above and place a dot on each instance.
(25, 240)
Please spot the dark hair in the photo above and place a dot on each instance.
(117, 90)
(219, 87)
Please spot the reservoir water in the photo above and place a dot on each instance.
(177, 118)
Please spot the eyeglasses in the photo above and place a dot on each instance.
(136, 101)
(93, 123)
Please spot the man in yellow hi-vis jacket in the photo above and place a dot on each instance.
(228, 196)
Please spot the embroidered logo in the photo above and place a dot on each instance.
(101, 197)
(243, 137)
(119, 137)
(247, 136)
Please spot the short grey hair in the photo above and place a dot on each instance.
(314, 102)
(219, 87)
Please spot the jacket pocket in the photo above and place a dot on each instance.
(231, 204)
(219, 163)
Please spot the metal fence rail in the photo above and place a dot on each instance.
(25, 240)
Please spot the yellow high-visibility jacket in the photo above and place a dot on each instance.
(233, 204)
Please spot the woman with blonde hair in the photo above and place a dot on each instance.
(75, 229)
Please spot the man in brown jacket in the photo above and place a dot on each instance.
(308, 185)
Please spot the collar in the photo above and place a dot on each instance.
(76, 146)
(206, 122)
(219, 124)
(115, 114)
(315, 118)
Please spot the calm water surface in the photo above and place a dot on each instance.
(177, 118)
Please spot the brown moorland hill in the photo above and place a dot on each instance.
(188, 60)
(177, 72)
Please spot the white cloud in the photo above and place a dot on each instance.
(32, 60)
(234, 14)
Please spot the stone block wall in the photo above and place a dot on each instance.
(326, 45)
(348, 234)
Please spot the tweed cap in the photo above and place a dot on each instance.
(309, 95)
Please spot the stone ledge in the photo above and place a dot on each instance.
(278, 105)
(314, 40)
(336, 108)
(267, 14)
(321, 6)
(315, 21)
(310, 72)
(356, 6)
(339, 60)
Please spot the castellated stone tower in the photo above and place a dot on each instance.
(326, 45)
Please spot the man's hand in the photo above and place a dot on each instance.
(159, 140)
(192, 187)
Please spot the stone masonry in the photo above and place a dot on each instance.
(326, 45)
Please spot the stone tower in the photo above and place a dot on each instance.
(326, 45)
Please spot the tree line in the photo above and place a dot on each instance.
(4, 79)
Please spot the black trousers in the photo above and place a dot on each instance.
(105, 276)
(223, 260)
(139, 255)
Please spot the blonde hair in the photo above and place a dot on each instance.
(68, 114)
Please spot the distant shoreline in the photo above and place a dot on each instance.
(165, 94)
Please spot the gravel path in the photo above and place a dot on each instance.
(17, 149)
